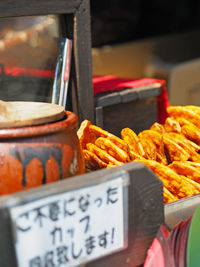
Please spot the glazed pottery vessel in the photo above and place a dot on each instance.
(35, 155)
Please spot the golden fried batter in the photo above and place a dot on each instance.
(194, 164)
(186, 145)
(172, 125)
(168, 196)
(102, 154)
(84, 134)
(149, 148)
(158, 128)
(153, 145)
(192, 182)
(183, 121)
(93, 161)
(191, 132)
(175, 152)
(171, 180)
(182, 138)
(177, 143)
(183, 168)
(98, 131)
(182, 112)
(119, 142)
(131, 138)
(195, 109)
(134, 155)
(112, 149)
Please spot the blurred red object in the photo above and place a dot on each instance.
(15, 71)
(160, 253)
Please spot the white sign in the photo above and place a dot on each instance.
(71, 228)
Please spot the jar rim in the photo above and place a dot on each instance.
(69, 122)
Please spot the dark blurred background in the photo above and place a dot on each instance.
(116, 21)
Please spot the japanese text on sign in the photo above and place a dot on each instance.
(71, 228)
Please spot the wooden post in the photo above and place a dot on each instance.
(83, 61)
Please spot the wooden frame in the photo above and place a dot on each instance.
(75, 24)
(134, 107)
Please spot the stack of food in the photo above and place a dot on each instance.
(171, 150)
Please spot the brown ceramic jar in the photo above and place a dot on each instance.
(36, 155)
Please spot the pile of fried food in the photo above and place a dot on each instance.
(171, 150)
